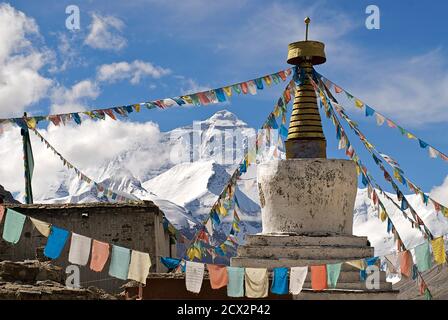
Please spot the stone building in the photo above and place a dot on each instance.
(136, 226)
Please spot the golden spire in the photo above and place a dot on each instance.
(305, 135)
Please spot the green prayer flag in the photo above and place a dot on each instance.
(28, 164)
(333, 271)
(119, 264)
(423, 257)
(12, 230)
(428, 295)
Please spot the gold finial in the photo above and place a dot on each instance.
(307, 22)
(306, 138)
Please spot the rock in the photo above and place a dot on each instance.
(6, 196)
(30, 271)
(35, 280)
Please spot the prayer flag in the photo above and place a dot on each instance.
(139, 266)
(333, 271)
(29, 164)
(218, 276)
(438, 250)
(235, 286)
(56, 242)
(79, 249)
(194, 276)
(119, 264)
(296, 279)
(256, 282)
(406, 263)
(100, 254)
(12, 230)
(318, 278)
(280, 281)
(423, 257)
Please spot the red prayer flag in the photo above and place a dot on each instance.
(337, 89)
(218, 276)
(110, 113)
(244, 87)
(405, 263)
(318, 277)
(282, 75)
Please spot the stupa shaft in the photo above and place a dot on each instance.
(305, 135)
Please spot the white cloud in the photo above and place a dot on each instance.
(21, 84)
(410, 90)
(189, 85)
(134, 71)
(105, 33)
(440, 193)
(73, 99)
(68, 49)
(92, 144)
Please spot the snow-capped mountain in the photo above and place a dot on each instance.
(192, 169)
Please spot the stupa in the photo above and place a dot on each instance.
(307, 200)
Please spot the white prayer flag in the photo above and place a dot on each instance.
(79, 249)
(194, 274)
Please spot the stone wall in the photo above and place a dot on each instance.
(134, 226)
(35, 280)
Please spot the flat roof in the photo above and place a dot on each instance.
(58, 206)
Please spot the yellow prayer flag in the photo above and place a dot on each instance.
(360, 264)
(268, 80)
(358, 103)
(251, 155)
(368, 145)
(445, 211)
(276, 111)
(228, 91)
(187, 99)
(190, 254)
(90, 114)
(197, 253)
(410, 135)
(137, 107)
(438, 250)
(41, 226)
(31, 123)
(383, 215)
(398, 176)
(222, 210)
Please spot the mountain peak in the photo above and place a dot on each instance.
(225, 118)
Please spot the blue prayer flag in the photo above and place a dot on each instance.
(422, 143)
(220, 95)
(76, 117)
(369, 111)
(389, 225)
(259, 83)
(280, 281)
(170, 263)
(56, 242)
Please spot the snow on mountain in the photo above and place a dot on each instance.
(193, 185)
(367, 223)
(191, 167)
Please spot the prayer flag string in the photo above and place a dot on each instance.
(213, 96)
(381, 119)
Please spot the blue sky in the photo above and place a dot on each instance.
(172, 47)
